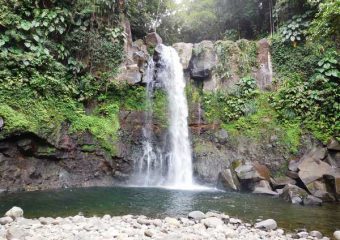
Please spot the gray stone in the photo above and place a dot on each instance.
(203, 61)
(302, 234)
(212, 222)
(228, 180)
(235, 221)
(312, 201)
(184, 51)
(333, 144)
(172, 221)
(336, 235)
(324, 196)
(333, 181)
(148, 233)
(282, 181)
(196, 215)
(246, 172)
(293, 194)
(293, 165)
(269, 224)
(221, 136)
(5, 220)
(316, 234)
(15, 212)
(265, 191)
(293, 175)
(312, 167)
(263, 187)
(333, 159)
(153, 39)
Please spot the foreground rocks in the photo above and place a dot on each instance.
(310, 180)
(197, 226)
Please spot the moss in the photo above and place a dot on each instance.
(44, 117)
(160, 103)
(14, 120)
(89, 148)
(241, 54)
(46, 151)
(264, 123)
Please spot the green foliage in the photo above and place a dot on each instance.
(263, 123)
(326, 23)
(160, 103)
(55, 58)
(52, 47)
(231, 106)
(242, 53)
(14, 121)
(295, 29)
(145, 15)
(289, 61)
(314, 101)
(284, 10)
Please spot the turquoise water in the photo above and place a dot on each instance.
(154, 202)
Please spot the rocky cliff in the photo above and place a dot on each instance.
(32, 162)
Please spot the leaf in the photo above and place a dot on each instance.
(27, 44)
(321, 62)
(36, 38)
(332, 60)
(292, 38)
(333, 73)
(2, 42)
(25, 25)
(327, 66)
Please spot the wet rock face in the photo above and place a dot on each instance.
(30, 162)
(203, 60)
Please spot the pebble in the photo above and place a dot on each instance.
(337, 235)
(197, 226)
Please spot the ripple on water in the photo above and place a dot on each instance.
(161, 202)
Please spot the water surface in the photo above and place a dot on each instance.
(155, 202)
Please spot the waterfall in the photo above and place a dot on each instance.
(180, 157)
(150, 165)
(173, 167)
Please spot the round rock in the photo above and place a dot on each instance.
(337, 235)
(212, 222)
(5, 220)
(316, 234)
(15, 212)
(269, 224)
(196, 215)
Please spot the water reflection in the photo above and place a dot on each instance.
(163, 202)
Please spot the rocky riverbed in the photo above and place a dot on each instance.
(198, 225)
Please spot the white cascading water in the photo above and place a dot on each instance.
(150, 165)
(179, 173)
(173, 167)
